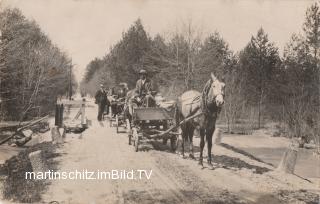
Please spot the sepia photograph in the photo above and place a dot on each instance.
(160, 101)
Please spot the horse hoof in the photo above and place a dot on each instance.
(200, 163)
(192, 156)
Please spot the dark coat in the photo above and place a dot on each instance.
(101, 97)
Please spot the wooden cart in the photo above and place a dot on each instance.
(152, 123)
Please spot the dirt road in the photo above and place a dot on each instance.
(240, 178)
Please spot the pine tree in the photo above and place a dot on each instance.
(259, 62)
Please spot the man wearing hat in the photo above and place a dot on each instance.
(144, 88)
(101, 100)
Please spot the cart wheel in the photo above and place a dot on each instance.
(135, 136)
(110, 121)
(128, 125)
(117, 123)
(136, 147)
(164, 141)
(174, 142)
(130, 138)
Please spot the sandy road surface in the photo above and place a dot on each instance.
(173, 179)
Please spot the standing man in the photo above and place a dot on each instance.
(101, 100)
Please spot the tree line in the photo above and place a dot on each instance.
(33, 71)
(261, 84)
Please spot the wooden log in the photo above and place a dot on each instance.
(33, 123)
(56, 136)
(24, 127)
(27, 137)
(12, 125)
(217, 136)
(37, 162)
(288, 161)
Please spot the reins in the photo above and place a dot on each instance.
(195, 100)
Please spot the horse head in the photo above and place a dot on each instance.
(216, 92)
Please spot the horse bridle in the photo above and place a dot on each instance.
(204, 104)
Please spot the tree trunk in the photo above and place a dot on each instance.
(259, 108)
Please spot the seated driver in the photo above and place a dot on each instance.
(143, 90)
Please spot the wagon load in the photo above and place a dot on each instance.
(168, 105)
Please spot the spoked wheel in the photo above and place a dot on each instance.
(110, 121)
(117, 123)
(135, 136)
(130, 138)
(128, 126)
(137, 141)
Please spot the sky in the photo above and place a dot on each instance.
(86, 29)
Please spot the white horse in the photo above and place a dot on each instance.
(208, 104)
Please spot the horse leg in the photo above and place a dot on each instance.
(202, 133)
(183, 134)
(190, 136)
(209, 140)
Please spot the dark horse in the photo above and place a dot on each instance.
(208, 105)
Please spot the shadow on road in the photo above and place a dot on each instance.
(222, 161)
(240, 151)
(285, 196)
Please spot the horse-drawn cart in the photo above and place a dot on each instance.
(118, 115)
(152, 123)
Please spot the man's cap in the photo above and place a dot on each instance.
(101, 85)
(142, 71)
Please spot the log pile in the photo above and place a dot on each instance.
(21, 132)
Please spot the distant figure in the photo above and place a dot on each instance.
(118, 97)
(123, 90)
(102, 101)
